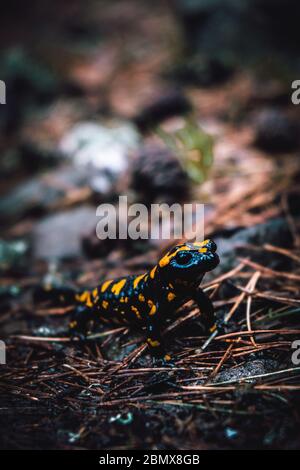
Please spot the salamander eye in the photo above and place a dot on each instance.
(183, 258)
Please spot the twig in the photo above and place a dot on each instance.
(252, 285)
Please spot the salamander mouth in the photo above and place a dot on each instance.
(214, 261)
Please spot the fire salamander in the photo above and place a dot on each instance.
(145, 300)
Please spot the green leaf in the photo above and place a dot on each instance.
(193, 147)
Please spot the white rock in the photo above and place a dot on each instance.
(103, 148)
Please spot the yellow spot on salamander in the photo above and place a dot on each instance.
(203, 250)
(105, 285)
(136, 311)
(141, 298)
(171, 296)
(118, 286)
(205, 242)
(153, 310)
(152, 307)
(152, 272)
(137, 280)
(85, 297)
(167, 357)
(105, 304)
(167, 258)
(89, 302)
(81, 297)
(153, 343)
(95, 292)
(95, 295)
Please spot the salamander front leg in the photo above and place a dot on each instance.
(206, 307)
(79, 323)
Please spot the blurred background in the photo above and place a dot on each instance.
(161, 101)
(105, 98)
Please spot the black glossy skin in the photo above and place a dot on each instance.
(148, 299)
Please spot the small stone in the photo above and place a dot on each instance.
(173, 103)
(249, 369)
(157, 174)
(275, 132)
(59, 236)
(42, 192)
(274, 231)
(103, 148)
(103, 152)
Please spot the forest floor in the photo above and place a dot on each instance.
(242, 390)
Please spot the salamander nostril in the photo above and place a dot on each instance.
(211, 246)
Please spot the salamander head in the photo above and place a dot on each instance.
(189, 261)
